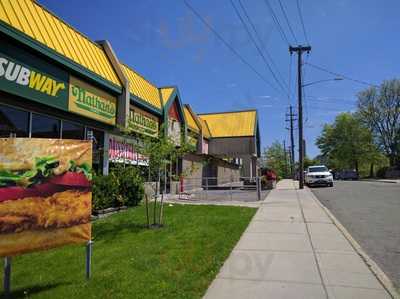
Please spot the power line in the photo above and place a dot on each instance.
(302, 22)
(322, 99)
(278, 25)
(255, 44)
(258, 38)
(340, 75)
(287, 21)
(197, 14)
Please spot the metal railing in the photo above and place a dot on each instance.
(222, 189)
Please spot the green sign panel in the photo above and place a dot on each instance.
(26, 81)
(142, 122)
(91, 102)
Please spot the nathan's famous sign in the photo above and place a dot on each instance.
(91, 102)
(21, 79)
(45, 194)
(142, 122)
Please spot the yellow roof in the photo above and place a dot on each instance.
(190, 120)
(41, 25)
(206, 130)
(166, 93)
(231, 124)
(142, 88)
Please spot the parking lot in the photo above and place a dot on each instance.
(370, 211)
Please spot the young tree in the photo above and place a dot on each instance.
(346, 143)
(379, 109)
(162, 151)
(274, 158)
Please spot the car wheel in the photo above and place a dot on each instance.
(331, 185)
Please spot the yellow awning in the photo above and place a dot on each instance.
(142, 88)
(37, 22)
(190, 120)
(166, 92)
(204, 126)
(231, 124)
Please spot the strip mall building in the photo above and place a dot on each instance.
(57, 83)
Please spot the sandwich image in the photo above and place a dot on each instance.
(45, 194)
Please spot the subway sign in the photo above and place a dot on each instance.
(142, 122)
(55, 88)
(26, 81)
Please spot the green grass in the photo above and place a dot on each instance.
(130, 261)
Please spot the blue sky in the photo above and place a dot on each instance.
(166, 43)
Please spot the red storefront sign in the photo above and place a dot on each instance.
(123, 151)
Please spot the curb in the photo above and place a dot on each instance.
(375, 269)
(378, 181)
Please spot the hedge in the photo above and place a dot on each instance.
(122, 187)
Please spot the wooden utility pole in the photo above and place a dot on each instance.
(291, 118)
(285, 157)
(299, 50)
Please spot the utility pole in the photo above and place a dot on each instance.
(291, 118)
(299, 50)
(285, 155)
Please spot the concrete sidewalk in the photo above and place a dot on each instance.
(291, 249)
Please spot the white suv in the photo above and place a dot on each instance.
(318, 175)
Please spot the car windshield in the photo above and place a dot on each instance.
(317, 169)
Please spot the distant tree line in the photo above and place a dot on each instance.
(367, 140)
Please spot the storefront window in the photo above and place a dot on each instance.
(72, 131)
(13, 122)
(45, 126)
(97, 138)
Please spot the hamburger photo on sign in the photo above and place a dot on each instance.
(45, 194)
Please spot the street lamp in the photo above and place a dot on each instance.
(325, 80)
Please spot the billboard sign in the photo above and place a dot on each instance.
(123, 150)
(89, 101)
(45, 194)
(142, 122)
(22, 79)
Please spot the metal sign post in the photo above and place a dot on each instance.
(7, 276)
(88, 259)
(258, 188)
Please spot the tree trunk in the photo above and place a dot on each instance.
(371, 170)
(392, 159)
(357, 167)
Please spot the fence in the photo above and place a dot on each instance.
(221, 189)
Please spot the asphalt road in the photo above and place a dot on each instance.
(370, 211)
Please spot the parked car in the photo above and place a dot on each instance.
(318, 175)
(347, 174)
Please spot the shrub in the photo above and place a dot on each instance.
(105, 192)
(123, 186)
(131, 185)
(381, 172)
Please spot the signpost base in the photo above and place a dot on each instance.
(7, 276)
(259, 185)
(88, 259)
